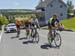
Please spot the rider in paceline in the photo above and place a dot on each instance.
(53, 22)
(27, 25)
(18, 24)
(34, 24)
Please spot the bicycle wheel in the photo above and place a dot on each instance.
(57, 40)
(49, 39)
(36, 37)
(32, 36)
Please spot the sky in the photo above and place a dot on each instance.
(20, 4)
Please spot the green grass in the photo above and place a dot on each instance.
(69, 23)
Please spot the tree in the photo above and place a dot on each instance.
(70, 7)
(3, 20)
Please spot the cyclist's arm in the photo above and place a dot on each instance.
(57, 20)
(58, 24)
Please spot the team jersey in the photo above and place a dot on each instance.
(34, 22)
(53, 21)
(18, 22)
(27, 23)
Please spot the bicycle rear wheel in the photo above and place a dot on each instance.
(57, 40)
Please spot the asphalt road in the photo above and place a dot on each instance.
(12, 46)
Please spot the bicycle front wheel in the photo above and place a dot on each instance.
(37, 37)
(57, 40)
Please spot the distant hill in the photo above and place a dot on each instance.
(15, 10)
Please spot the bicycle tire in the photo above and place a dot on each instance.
(57, 37)
(36, 37)
(32, 36)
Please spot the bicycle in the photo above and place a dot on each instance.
(34, 35)
(56, 37)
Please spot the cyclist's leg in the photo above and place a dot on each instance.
(32, 31)
(18, 30)
(27, 32)
(36, 30)
(50, 33)
(50, 30)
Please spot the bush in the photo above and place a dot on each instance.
(3, 20)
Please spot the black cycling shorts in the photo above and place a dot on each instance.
(27, 24)
(50, 25)
(18, 26)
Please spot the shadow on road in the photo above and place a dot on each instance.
(14, 37)
(68, 30)
(26, 42)
(46, 46)
(22, 38)
(10, 32)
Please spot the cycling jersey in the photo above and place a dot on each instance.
(27, 24)
(34, 22)
(52, 22)
(18, 22)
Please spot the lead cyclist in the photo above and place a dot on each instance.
(53, 23)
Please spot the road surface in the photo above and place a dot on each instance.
(12, 46)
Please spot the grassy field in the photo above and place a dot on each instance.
(69, 23)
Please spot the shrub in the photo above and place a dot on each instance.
(3, 20)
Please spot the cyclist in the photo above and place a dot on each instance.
(53, 23)
(27, 26)
(18, 23)
(34, 24)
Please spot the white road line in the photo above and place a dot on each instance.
(2, 32)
